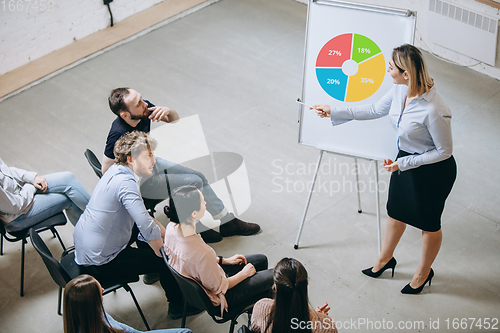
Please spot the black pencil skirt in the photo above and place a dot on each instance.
(417, 196)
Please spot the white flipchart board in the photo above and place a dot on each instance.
(387, 28)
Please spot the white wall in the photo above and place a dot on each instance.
(422, 33)
(26, 35)
(29, 33)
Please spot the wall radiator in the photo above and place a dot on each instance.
(463, 31)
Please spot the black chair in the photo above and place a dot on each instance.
(66, 269)
(21, 235)
(244, 329)
(195, 295)
(95, 164)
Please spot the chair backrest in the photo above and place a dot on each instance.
(193, 293)
(97, 167)
(94, 162)
(244, 329)
(58, 273)
(150, 205)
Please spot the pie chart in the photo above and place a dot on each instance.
(350, 67)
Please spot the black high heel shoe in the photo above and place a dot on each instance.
(391, 264)
(409, 290)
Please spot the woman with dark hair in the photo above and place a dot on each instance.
(227, 281)
(289, 311)
(83, 311)
(424, 170)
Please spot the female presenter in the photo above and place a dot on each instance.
(424, 171)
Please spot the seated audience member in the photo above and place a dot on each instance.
(135, 114)
(83, 311)
(27, 199)
(226, 281)
(104, 234)
(289, 311)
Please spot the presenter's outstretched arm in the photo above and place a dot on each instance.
(322, 110)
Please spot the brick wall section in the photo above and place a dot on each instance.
(30, 33)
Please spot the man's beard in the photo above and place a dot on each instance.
(144, 115)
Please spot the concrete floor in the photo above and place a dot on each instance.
(238, 65)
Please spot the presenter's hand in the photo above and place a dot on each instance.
(323, 309)
(40, 183)
(322, 110)
(391, 166)
(237, 259)
(162, 113)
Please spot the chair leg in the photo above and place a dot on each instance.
(59, 301)
(184, 314)
(1, 245)
(56, 234)
(127, 288)
(22, 264)
(233, 323)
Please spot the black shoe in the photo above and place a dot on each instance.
(409, 290)
(175, 311)
(150, 278)
(208, 235)
(211, 236)
(391, 264)
(232, 226)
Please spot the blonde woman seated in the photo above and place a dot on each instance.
(83, 311)
(289, 311)
(227, 281)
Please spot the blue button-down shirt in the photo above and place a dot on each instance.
(105, 227)
(423, 127)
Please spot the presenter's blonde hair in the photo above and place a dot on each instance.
(408, 58)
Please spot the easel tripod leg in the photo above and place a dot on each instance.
(357, 184)
(296, 246)
(377, 202)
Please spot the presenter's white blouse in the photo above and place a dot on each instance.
(423, 127)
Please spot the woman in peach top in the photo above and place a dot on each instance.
(289, 311)
(226, 281)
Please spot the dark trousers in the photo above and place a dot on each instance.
(258, 284)
(137, 261)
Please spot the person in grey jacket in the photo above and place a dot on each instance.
(27, 198)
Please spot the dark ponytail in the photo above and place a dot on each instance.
(183, 202)
(290, 298)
